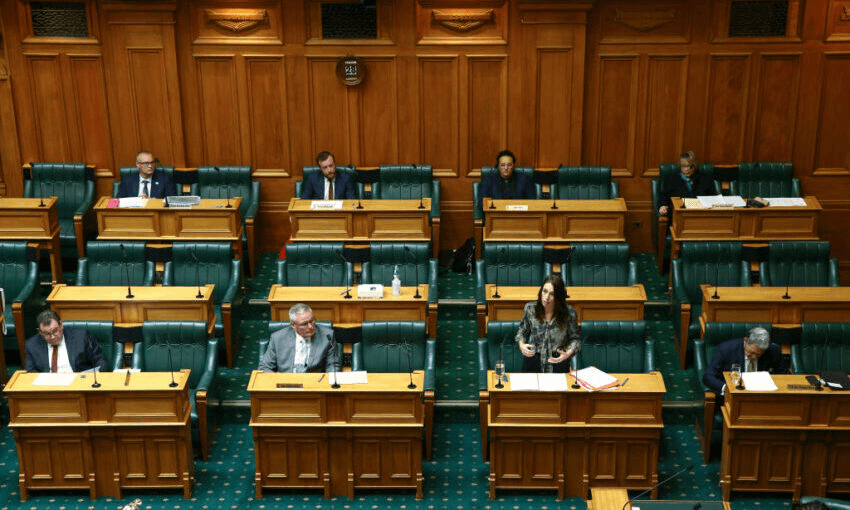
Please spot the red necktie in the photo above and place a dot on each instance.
(54, 360)
(331, 190)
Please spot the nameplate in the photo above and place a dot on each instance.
(290, 386)
(327, 205)
(516, 207)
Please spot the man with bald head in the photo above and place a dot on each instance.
(302, 347)
(149, 182)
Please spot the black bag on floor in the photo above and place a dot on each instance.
(464, 257)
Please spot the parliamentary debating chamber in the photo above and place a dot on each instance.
(175, 175)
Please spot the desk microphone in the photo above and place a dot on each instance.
(819, 386)
(228, 206)
(787, 281)
(416, 281)
(171, 369)
(126, 270)
(348, 282)
(421, 194)
(554, 196)
(498, 266)
(197, 272)
(659, 484)
(332, 341)
(716, 281)
(409, 350)
(95, 384)
(566, 262)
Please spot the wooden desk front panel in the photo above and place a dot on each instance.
(290, 458)
(765, 304)
(210, 220)
(378, 220)
(22, 218)
(573, 220)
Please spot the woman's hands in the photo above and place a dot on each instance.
(527, 350)
(562, 356)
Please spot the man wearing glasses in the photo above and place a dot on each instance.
(303, 347)
(59, 350)
(149, 182)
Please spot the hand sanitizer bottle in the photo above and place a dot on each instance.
(396, 283)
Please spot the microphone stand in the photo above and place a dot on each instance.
(171, 368)
(716, 281)
(787, 281)
(95, 384)
(421, 195)
(566, 262)
(409, 350)
(126, 271)
(197, 272)
(228, 206)
(496, 293)
(348, 282)
(415, 282)
(554, 197)
(332, 341)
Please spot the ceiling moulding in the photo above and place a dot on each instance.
(644, 21)
(463, 20)
(236, 20)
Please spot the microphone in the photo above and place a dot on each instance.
(416, 282)
(819, 386)
(348, 283)
(171, 368)
(421, 196)
(716, 281)
(496, 293)
(409, 350)
(659, 484)
(95, 384)
(228, 206)
(197, 272)
(332, 341)
(554, 197)
(126, 271)
(787, 281)
(566, 261)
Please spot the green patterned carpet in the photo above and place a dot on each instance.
(457, 477)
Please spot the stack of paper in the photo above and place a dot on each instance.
(758, 381)
(132, 202)
(709, 201)
(592, 379)
(786, 202)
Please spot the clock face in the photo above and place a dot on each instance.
(350, 70)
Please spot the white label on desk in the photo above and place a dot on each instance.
(49, 379)
(516, 207)
(327, 205)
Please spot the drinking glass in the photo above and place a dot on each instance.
(736, 373)
(500, 370)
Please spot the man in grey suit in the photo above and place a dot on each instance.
(303, 347)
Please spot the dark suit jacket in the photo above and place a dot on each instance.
(674, 186)
(161, 186)
(83, 352)
(314, 187)
(491, 187)
(280, 356)
(732, 351)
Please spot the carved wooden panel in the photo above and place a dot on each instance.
(219, 110)
(50, 112)
(775, 108)
(650, 23)
(838, 21)
(255, 23)
(443, 22)
(267, 113)
(617, 113)
(377, 113)
(664, 126)
(486, 113)
(438, 102)
(554, 83)
(726, 107)
(91, 111)
(330, 121)
(832, 153)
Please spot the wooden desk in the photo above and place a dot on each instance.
(744, 224)
(104, 440)
(590, 303)
(329, 304)
(616, 499)
(765, 304)
(574, 440)
(357, 436)
(786, 440)
(22, 219)
(378, 220)
(209, 221)
(149, 304)
(573, 220)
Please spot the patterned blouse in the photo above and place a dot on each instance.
(547, 337)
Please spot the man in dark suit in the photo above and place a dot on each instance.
(158, 184)
(507, 184)
(754, 353)
(303, 347)
(59, 349)
(686, 183)
(329, 184)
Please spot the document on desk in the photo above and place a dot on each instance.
(354, 377)
(552, 382)
(709, 201)
(332, 205)
(49, 379)
(786, 202)
(758, 381)
(132, 202)
(524, 382)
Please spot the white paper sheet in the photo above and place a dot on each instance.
(786, 202)
(758, 381)
(524, 382)
(709, 201)
(132, 202)
(49, 379)
(552, 382)
(595, 378)
(355, 377)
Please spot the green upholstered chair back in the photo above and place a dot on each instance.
(797, 263)
(187, 342)
(501, 343)
(528, 171)
(715, 334)
(600, 264)
(515, 264)
(764, 179)
(585, 183)
(411, 259)
(823, 346)
(349, 170)
(616, 346)
(403, 182)
(666, 169)
(104, 264)
(215, 266)
(68, 181)
(310, 264)
(232, 181)
(709, 263)
(16, 265)
(124, 171)
(101, 331)
(385, 346)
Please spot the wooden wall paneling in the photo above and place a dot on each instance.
(554, 107)
(665, 95)
(771, 137)
(614, 133)
(145, 101)
(832, 152)
(728, 83)
(268, 115)
(220, 115)
(443, 22)
(91, 111)
(330, 116)
(438, 77)
(49, 106)
(838, 21)
(487, 108)
(378, 113)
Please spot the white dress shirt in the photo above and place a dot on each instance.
(142, 185)
(302, 353)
